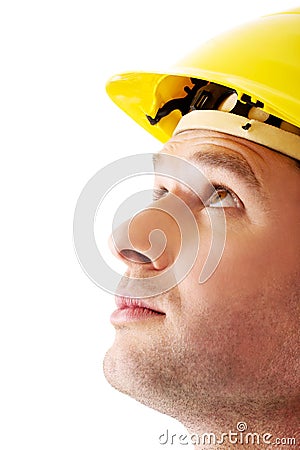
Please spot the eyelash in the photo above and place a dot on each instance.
(161, 192)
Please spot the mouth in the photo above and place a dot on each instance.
(134, 310)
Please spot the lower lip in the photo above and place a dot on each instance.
(134, 314)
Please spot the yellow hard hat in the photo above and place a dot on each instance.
(244, 82)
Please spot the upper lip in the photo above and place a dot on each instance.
(130, 302)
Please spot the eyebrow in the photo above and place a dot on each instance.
(236, 165)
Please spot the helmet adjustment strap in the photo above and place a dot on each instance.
(182, 104)
(212, 96)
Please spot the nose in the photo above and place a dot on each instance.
(151, 237)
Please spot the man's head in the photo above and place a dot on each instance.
(230, 345)
(233, 340)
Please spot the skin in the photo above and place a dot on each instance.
(227, 350)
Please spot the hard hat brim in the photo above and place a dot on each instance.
(140, 94)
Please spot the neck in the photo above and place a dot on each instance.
(262, 429)
(240, 427)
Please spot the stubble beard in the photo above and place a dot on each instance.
(164, 370)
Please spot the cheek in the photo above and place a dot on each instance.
(233, 333)
(253, 259)
(241, 296)
(241, 321)
(256, 260)
(245, 293)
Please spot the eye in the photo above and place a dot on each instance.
(159, 193)
(223, 198)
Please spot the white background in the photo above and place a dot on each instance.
(57, 129)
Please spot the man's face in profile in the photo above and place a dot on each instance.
(232, 342)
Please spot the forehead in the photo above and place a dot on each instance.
(234, 159)
(262, 160)
(189, 140)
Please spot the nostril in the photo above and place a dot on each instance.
(134, 256)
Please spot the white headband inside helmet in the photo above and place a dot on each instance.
(275, 138)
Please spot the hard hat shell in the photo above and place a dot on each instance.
(260, 59)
